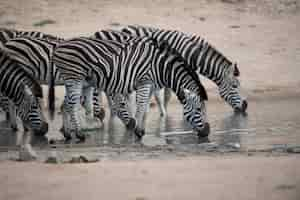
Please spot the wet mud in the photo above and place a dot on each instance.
(269, 125)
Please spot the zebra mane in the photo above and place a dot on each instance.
(39, 35)
(202, 42)
(165, 47)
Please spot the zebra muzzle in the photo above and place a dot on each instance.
(243, 107)
(205, 131)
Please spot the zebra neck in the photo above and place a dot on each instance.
(212, 64)
(199, 54)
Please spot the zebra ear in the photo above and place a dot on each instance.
(236, 71)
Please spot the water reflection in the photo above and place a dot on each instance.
(230, 126)
(269, 123)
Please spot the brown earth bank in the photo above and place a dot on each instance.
(217, 177)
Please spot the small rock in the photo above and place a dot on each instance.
(52, 160)
(202, 19)
(75, 159)
(234, 26)
(293, 149)
(83, 159)
(115, 24)
(250, 154)
(234, 145)
(88, 159)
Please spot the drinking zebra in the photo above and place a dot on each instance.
(5, 104)
(125, 38)
(203, 58)
(119, 69)
(33, 56)
(24, 92)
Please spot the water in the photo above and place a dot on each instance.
(269, 123)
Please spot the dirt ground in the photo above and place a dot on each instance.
(224, 177)
(261, 35)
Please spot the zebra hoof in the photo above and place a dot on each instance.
(81, 137)
(131, 124)
(243, 108)
(205, 131)
(139, 133)
(66, 135)
(14, 128)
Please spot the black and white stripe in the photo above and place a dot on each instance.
(33, 51)
(24, 92)
(203, 58)
(126, 38)
(120, 69)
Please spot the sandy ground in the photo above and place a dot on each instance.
(261, 35)
(225, 177)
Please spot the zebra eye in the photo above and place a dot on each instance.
(122, 104)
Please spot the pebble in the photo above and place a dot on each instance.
(295, 149)
(83, 159)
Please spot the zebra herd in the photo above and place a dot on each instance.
(135, 58)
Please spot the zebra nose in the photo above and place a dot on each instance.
(244, 105)
(205, 131)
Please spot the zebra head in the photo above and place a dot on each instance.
(194, 112)
(31, 111)
(229, 89)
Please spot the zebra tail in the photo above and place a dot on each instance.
(51, 92)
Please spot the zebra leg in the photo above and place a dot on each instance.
(167, 96)
(99, 111)
(143, 95)
(87, 93)
(4, 104)
(119, 107)
(72, 108)
(13, 116)
(26, 153)
(90, 121)
(159, 96)
(111, 104)
(131, 99)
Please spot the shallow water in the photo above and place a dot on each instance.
(269, 123)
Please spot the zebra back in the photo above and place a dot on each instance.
(172, 63)
(163, 47)
(194, 49)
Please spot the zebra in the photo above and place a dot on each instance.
(24, 92)
(119, 69)
(125, 38)
(34, 57)
(203, 58)
(5, 104)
